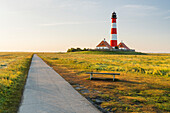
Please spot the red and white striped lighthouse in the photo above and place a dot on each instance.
(113, 37)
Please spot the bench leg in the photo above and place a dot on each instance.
(91, 76)
(113, 77)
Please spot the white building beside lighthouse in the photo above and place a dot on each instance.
(103, 45)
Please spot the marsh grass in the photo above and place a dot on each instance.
(143, 86)
(12, 80)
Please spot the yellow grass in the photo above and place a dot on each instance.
(143, 86)
(13, 73)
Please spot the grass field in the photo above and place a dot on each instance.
(109, 52)
(143, 86)
(13, 72)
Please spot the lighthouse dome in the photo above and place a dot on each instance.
(114, 15)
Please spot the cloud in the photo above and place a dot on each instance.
(144, 7)
(76, 4)
(167, 13)
(62, 23)
(73, 23)
(168, 17)
(139, 10)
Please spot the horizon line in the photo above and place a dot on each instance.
(65, 51)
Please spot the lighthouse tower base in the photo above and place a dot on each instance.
(113, 43)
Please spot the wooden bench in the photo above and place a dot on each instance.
(91, 74)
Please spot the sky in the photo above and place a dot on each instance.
(56, 25)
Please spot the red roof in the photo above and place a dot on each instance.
(104, 44)
(122, 45)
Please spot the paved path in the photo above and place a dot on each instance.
(47, 92)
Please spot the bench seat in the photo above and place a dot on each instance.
(91, 74)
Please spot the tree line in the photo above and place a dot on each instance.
(77, 49)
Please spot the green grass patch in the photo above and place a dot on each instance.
(109, 52)
(12, 80)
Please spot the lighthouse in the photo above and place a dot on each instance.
(113, 36)
(103, 45)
